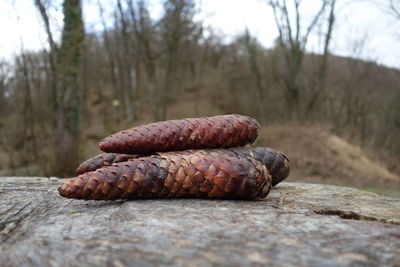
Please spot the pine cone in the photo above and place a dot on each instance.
(194, 175)
(101, 160)
(276, 162)
(213, 132)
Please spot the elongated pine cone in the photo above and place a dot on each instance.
(194, 133)
(101, 160)
(276, 162)
(194, 175)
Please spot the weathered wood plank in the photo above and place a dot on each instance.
(293, 225)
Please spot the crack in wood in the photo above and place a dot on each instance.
(351, 215)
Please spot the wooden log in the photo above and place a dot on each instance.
(296, 224)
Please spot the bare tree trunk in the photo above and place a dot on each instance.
(117, 91)
(52, 56)
(28, 112)
(293, 42)
(66, 134)
(65, 68)
(169, 84)
(10, 152)
(150, 66)
(3, 75)
(255, 68)
(136, 56)
(319, 92)
(143, 34)
(126, 68)
(177, 24)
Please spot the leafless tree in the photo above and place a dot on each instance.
(124, 56)
(4, 72)
(177, 25)
(317, 95)
(65, 68)
(144, 32)
(28, 114)
(293, 40)
(110, 55)
(253, 52)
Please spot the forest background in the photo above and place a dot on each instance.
(336, 117)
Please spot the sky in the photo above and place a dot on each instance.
(362, 30)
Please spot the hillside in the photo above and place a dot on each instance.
(316, 155)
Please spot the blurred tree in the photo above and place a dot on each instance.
(146, 52)
(65, 66)
(28, 115)
(124, 56)
(110, 56)
(318, 94)
(3, 76)
(253, 50)
(293, 41)
(177, 27)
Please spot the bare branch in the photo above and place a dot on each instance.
(395, 9)
(314, 22)
(287, 20)
(296, 6)
(46, 21)
(53, 51)
(274, 6)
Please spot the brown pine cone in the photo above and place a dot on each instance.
(212, 132)
(276, 162)
(101, 160)
(194, 175)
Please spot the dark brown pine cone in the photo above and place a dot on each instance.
(194, 133)
(276, 162)
(101, 160)
(194, 175)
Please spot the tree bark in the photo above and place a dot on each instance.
(67, 108)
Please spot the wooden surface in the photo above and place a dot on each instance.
(297, 224)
